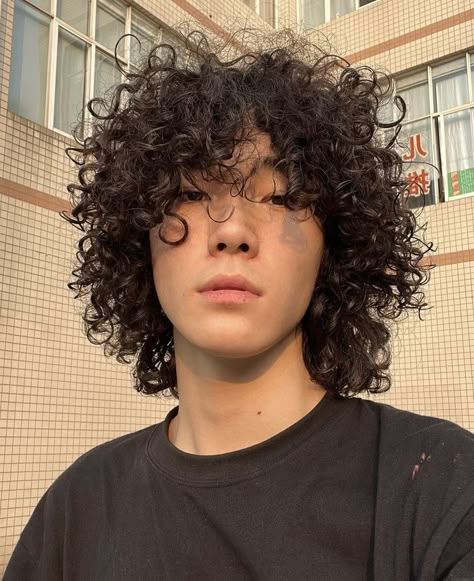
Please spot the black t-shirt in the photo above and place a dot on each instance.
(355, 490)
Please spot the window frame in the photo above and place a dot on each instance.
(327, 13)
(92, 45)
(275, 11)
(438, 129)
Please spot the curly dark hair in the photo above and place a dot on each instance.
(185, 110)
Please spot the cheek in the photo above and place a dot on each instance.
(303, 246)
(172, 270)
(161, 260)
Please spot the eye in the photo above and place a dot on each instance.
(278, 200)
(275, 199)
(192, 195)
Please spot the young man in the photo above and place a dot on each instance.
(247, 239)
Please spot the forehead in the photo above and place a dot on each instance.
(250, 158)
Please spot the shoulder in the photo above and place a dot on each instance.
(114, 460)
(424, 454)
(427, 459)
(81, 492)
(425, 489)
(400, 429)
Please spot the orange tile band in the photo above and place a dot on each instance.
(411, 36)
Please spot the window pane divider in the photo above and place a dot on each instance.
(470, 74)
(128, 30)
(52, 74)
(435, 160)
(434, 138)
(90, 68)
(454, 109)
(93, 9)
(109, 52)
(444, 161)
(73, 31)
(90, 85)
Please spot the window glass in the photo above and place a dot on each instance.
(417, 101)
(450, 85)
(365, 2)
(341, 7)
(149, 35)
(75, 13)
(169, 38)
(44, 4)
(28, 72)
(459, 152)
(416, 141)
(110, 25)
(313, 13)
(106, 74)
(414, 90)
(70, 81)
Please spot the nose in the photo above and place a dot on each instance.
(220, 208)
(233, 232)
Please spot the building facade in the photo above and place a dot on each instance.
(60, 395)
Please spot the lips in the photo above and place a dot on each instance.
(230, 282)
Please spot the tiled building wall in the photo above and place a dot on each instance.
(398, 35)
(433, 363)
(60, 396)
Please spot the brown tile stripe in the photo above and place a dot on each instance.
(48, 202)
(449, 258)
(411, 36)
(31, 196)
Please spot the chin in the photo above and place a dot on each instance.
(232, 349)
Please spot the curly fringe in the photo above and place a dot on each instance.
(185, 112)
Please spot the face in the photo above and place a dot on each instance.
(268, 244)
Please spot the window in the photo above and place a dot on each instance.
(266, 9)
(313, 13)
(29, 64)
(63, 55)
(439, 130)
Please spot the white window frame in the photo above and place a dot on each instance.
(92, 45)
(275, 11)
(439, 157)
(327, 12)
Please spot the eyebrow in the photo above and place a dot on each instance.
(265, 161)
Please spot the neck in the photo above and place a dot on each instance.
(230, 404)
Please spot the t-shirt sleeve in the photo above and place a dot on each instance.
(38, 554)
(457, 559)
(22, 565)
(447, 507)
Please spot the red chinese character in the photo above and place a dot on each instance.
(416, 148)
(418, 183)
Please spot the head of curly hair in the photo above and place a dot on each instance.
(186, 111)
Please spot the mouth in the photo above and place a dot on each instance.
(229, 295)
(227, 285)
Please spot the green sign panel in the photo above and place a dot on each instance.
(461, 182)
